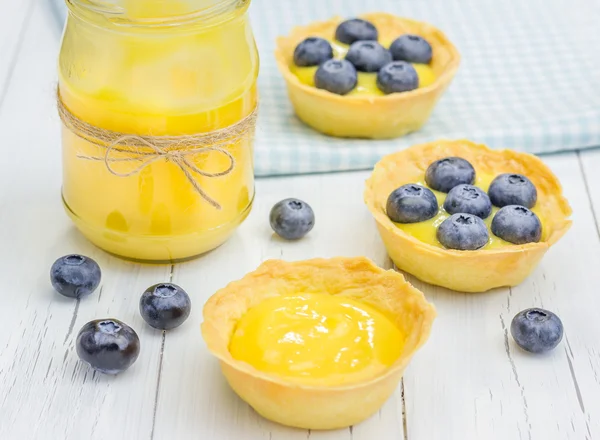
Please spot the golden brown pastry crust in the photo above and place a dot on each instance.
(375, 117)
(316, 407)
(467, 271)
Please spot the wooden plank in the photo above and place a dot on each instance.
(589, 161)
(194, 400)
(14, 22)
(472, 381)
(45, 391)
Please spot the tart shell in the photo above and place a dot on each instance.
(466, 271)
(316, 406)
(373, 117)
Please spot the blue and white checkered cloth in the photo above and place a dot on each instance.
(529, 80)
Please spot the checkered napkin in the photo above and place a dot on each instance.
(529, 80)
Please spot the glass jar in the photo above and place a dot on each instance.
(158, 102)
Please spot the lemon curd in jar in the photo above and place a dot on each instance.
(317, 339)
(155, 68)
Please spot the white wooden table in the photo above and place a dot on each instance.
(469, 382)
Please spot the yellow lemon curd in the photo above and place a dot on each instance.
(134, 73)
(312, 339)
(426, 231)
(367, 82)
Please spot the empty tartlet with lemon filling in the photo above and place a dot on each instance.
(317, 344)
(462, 216)
(377, 76)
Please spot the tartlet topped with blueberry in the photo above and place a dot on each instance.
(375, 76)
(462, 216)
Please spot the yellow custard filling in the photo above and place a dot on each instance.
(426, 231)
(367, 82)
(315, 338)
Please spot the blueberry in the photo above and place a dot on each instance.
(368, 56)
(444, 174)
(411, 48)
(292, 219)
(536, 330)
(75, 276)
(336, 76)
(108, 345)
(397, 77)
(356, 29)
(411, 203)
(464, 232)
(165, 306)
(312, 52)
(517, 225)
(512, 189)
(468, 199)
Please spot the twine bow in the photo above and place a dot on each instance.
(150, 149)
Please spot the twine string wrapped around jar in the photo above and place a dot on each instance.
(150, 149)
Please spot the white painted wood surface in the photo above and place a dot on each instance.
(14, 21)
(470, 382)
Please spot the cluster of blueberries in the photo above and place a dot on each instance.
(109, 345)
(395, 72)
(468, 205)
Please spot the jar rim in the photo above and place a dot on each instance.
(118, 13)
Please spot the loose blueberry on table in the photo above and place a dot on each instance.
(359, 64)
(292, 219)
(475, 222)
(75, 276)
(536, 330)
(108, 345)
(165, 306)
